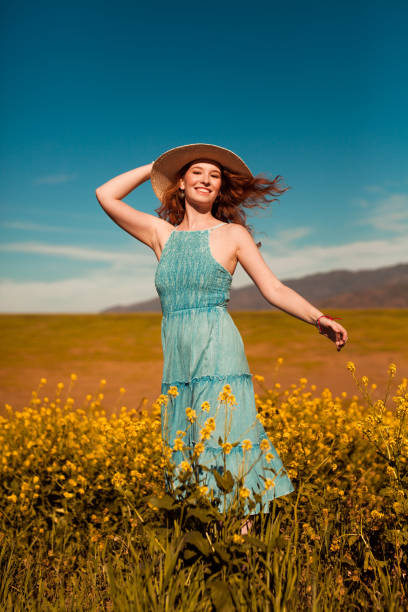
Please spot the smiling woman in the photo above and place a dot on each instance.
(198, 239)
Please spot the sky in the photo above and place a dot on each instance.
(315, 92)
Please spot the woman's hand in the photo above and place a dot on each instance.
(334, 331)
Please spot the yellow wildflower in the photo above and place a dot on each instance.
(173, 391)
(203, 490)
(191, 414)
(210, 423)
(259, 378)
(246, 445)
(185, 466)
(205, 406)
(244, 492)
(205, 433)
(269, 457)
(178, 444)
(392, 368)
(269, 483)
(237, 539)
(264, 444)
(351, 367)
(198, 448)
(226, 447)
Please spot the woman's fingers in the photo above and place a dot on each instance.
(335, 332)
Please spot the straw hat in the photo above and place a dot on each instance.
(165, 168)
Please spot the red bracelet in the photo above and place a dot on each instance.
(324, 315)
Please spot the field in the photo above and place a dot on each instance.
(86, 522)
(125, 350)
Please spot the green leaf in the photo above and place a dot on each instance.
(222, 552)
(201, 515)
(196, 539)
(226, 482)
(221, 596)
(163, 503)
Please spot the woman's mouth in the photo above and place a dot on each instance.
(202, 190)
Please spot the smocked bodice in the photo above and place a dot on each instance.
(188, 276)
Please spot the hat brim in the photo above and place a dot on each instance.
(165, 168)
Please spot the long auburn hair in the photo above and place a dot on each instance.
(236, 193)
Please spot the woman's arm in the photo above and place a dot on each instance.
(139, 224)
(278, 294)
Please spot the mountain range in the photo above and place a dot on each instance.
(379, 288)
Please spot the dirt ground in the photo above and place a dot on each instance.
(125, 350)
(143, 380)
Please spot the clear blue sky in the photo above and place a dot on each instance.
(316, 92)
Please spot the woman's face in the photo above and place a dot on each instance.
(202, 183)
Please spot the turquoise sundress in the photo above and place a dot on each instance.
(203, 351)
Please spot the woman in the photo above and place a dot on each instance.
(198, 238)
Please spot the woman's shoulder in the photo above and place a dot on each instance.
(238, 229)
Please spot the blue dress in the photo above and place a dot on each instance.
(203, 351)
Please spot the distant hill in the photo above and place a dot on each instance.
(380, 288)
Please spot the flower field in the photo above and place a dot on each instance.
(86, 521)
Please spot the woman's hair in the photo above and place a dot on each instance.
(237, 192)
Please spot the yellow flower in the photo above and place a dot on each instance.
(227, 448)
(203, 490)
(237, 539)
(269, 483)
(351, 367)
(178, 444)
(205, 406)
(12, 498)
(259, 378)
(264, 445)
(180, 432)
(210, 423)
(244, 492)
(74, 377)
(227, 388)
(43, 381)
(173, 391)
(303, 381)
(198, 449)
(205, 433)
(364, 380)
(280, 360)
(118, 480)
(392, 368)
(191, 414)
(122, 390)
(246, 445)
(269, 457)
(185, 466)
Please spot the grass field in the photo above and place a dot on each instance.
(86, 522)
(125, 349)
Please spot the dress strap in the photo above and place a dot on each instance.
(211, 228)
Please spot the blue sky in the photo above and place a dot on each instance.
(316, 92)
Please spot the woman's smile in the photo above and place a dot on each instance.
(202, 190)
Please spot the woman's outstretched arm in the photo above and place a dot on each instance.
(278, 294)
(139, 224)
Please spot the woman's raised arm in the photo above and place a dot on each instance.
(139, 224)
